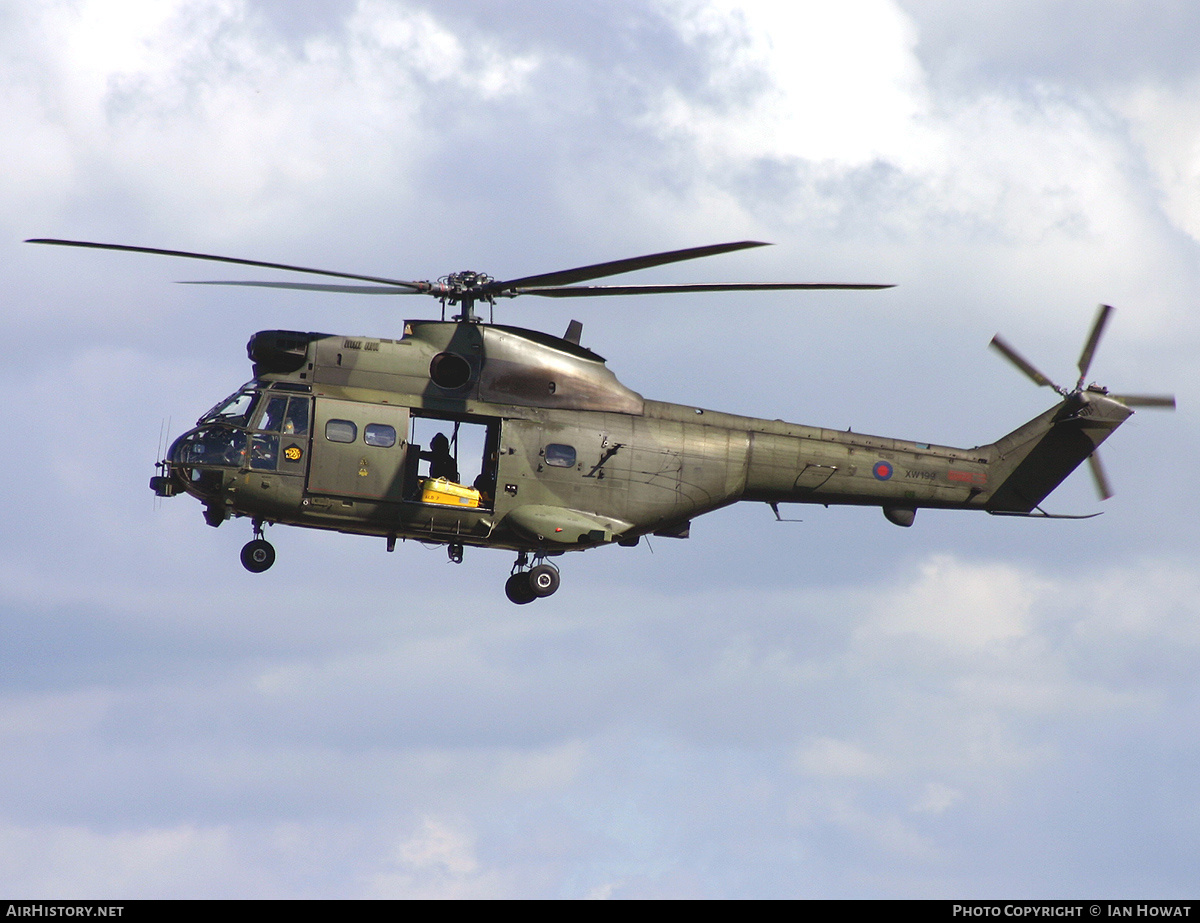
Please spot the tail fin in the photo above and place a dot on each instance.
(1034, 459)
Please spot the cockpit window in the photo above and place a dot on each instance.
(272, 415)
(223, 446)
(283, 415)
(235, 409)
(296, 421)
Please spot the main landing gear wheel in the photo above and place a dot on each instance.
(538, 582)
(543, 580)
(518, 588)
(258, 555)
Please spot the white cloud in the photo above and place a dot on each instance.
(958, 605)
(429, 51)
(884, 738)
(1164, 120)
(26, 718)
(818, 120)
(194, 107)
(437, 845)
(67, 862)
(813, 81)
(937, 798)
(826, 757)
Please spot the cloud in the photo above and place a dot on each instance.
(1163, 119)
(825, 757)
(197, 107)
(890, 739)
(817, 83)
(66, 862)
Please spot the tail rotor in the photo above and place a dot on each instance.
(1162, 401)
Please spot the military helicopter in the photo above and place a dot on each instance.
(531, 444)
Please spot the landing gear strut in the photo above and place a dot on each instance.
(258, 554)
(537, 582)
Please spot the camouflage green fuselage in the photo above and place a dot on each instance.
(333, 431)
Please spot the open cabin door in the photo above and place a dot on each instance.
(358, 450)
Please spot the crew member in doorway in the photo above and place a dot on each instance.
(441, 462)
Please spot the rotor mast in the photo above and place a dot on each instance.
(465, 288)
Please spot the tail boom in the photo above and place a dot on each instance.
(1012, 475)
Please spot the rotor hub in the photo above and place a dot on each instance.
(465, 288)
(465, 282)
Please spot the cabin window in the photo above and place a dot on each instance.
(380, 435)
(341, 431)
(560, 456)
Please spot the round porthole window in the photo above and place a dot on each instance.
(449, 371)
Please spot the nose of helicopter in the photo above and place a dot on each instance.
(196, 462)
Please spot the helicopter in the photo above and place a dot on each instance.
(529, 443)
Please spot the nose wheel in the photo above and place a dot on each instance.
(258, 554)
(539, 581)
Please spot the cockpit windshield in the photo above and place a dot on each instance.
(234, 409)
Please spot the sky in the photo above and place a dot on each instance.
(972, 707)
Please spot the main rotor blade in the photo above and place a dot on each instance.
(318, 287)
(1089, 348)
(616, 267)
(589, 291)
(415, 286)
(1020, 362)
(1146, 400)
(1099, 477)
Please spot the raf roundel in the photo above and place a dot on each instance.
(882, 470)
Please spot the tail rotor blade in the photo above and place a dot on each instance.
(1089, 348)
(1165, 401)
(1099, 476)
(1021, 362)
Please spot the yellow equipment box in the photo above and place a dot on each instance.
(439, 490)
